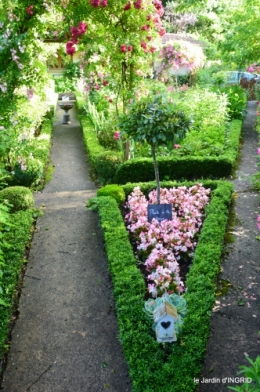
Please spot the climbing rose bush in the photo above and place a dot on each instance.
(163, 245)
(175, 55)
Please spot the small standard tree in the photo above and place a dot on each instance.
(154, 120)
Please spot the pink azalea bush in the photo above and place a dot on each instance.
(162, 245)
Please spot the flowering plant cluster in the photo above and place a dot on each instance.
(120, 44)
(76, 33)
(175, 55)
(162, 245)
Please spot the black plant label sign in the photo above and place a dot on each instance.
(159, 212)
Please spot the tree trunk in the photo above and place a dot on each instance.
(156, 171)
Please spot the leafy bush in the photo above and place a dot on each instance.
(237, 100)
(115, 191)
(19, 197)
(31, 175)
(106, 164)
(251, 373)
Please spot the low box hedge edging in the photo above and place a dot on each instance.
(175, 167)
(15, 239)
(151, 367)
(188, 167)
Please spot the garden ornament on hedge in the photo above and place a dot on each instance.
(167, 313)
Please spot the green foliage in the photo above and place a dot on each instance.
(237, 100)
(19, 198)
(189, 167)
(31, 175)
(243, 27)
(113, 190)
(257, 92)
(150, 368)
(106, 165)
(154, 119)
(14, 239)
(251, 373)
(64, 84)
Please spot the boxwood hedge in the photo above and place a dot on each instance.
(152, 366)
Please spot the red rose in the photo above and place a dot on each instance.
(123, 48)
(127, 6)
(138, 4)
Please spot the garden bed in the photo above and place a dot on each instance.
(170, 168)
(153, 366)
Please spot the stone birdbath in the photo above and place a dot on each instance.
(66, 106)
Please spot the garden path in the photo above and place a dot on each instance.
(235, 321)
(65, 338)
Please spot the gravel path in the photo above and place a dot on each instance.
(235, 322)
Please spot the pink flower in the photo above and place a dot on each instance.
(70, 49)
(117, 135)
(130, 48)
(258, 222)
(123, 48)
(29, 10)
(149, 38)
(105, 82)
(103, 3)
(258, 151)
(152, 49)
(250, 69)
(176, 146)
(94, 3)
(30, 93)
(145, 27)
(143, 45)
(82, 27)
(162, 31)
(127, 6)
(138, 4)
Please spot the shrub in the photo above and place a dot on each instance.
(32, 174)
(19, 197)
(107, 163)
(237, 100)
(115, 191)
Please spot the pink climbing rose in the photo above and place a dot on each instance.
(127, 6)
(117, 135)
(123, 48)
(29, 10)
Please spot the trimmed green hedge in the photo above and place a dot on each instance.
(20, 198)
(42, 148)
(187, 167)
(91, 141)
(15, 241)
(150, 367)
